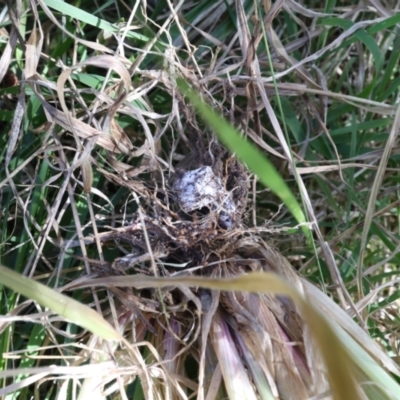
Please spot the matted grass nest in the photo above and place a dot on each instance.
(194, 226)
(204, 343)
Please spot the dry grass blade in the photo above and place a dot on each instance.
(238, 383)
(394, 133)
(331, 45)
(85, 131)
(34, 46)
(5, 58)
(338, 361)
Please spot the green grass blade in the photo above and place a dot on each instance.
(89, 19)
(360, 34)
(59, 303)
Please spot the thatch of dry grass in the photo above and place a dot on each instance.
(141, 200)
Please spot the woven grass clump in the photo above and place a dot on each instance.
(188, 234)
(195, 226)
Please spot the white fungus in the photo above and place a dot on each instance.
(201, 188)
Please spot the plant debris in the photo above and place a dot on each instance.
(201, 188)
(198, 227)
